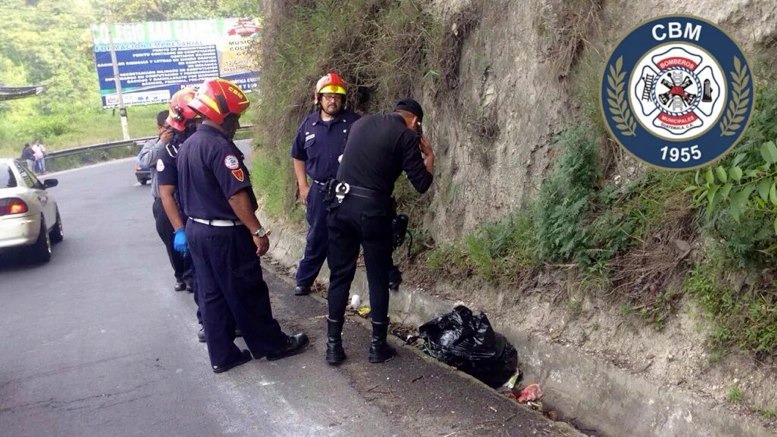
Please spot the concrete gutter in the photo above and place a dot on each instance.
(587, 392)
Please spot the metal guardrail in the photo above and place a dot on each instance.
(104, 146)
(94, 153)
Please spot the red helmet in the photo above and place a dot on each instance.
(180, 110)
(218, 98)
(332, 83)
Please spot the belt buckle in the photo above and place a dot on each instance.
(341, 189)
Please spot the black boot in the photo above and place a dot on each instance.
(335, 354)
(380, 350)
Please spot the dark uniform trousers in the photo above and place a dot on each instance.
(181, 264)
(240, 298)
(367, 222)
(317, 237)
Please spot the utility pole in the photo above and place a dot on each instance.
(117, 80)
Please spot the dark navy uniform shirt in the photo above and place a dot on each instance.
(319, 143)
(210, 171)
(166, 170)
(379, 148)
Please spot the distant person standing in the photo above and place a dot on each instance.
(39, 154)
(28, 156)
(319, 143)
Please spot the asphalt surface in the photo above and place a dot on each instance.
(96, 342)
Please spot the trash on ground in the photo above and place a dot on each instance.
(469, 343)
(364, 311)
(355, 301)
(531, 392)
(510, 384)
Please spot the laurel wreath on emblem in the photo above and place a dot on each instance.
(621, 113)
(740, 99)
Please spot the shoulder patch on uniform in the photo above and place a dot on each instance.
(239, 175)
(160, 166)
(231, 162)
(309, 137)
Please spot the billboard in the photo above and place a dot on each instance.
(156, 59)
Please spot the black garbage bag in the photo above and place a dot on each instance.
(468, 343)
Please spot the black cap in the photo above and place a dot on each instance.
(410, 106)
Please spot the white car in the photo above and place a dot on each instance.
(29, 216)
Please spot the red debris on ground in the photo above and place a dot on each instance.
(531, 392)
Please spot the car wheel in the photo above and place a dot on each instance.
(143, 181)
(41, 250)
(57, 232)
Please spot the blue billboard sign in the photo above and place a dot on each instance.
(156, 59)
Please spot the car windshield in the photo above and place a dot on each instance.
(7, 179)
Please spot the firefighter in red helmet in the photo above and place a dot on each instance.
(319, 142)
(224, 235)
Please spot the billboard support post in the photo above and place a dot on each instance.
(117, 81)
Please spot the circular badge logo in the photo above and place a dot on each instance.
(231, 162)
(677, 93)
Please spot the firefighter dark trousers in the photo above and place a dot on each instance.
(232, 292)
(316, 241)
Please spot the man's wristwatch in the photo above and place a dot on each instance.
(261, 232)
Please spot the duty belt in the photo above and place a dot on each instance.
(343, 189)
(217, 222)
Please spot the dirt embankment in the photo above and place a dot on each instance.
(515, 71)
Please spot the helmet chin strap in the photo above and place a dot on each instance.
(230, 125)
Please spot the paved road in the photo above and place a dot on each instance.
(97, 343)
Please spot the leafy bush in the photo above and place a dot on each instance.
(739, 196)
(565, 196)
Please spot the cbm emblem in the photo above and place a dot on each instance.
(677, 93)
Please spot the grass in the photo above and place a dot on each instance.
(767, 413)
(494, 252)
(744, 313)
(734, 394)
(84, 128)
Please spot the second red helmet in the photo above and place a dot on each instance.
(180, 111)
(218, 98)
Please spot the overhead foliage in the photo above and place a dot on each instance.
(163, 10)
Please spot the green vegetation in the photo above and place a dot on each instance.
(739, 196)
(767, 413)
(734, 394)
(379, 56)
(494, 252)
(48, 42)
(565, 197)
(741, 304)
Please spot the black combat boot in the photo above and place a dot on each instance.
(335, 354)
(380, 350)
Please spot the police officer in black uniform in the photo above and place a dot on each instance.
(225, 237)
(379, 148)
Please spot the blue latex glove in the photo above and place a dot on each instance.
(179, 242)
